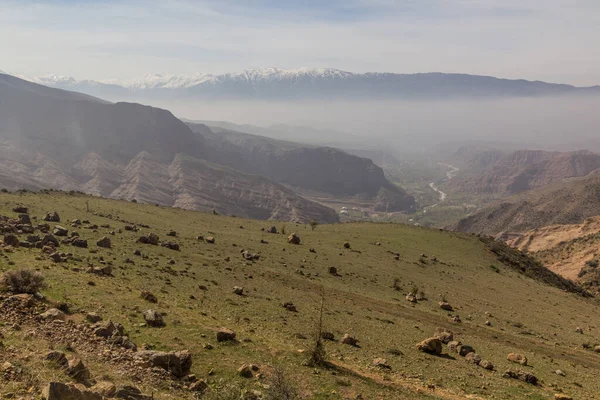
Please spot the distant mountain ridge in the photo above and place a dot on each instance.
(325, 83)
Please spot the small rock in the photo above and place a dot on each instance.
(517, 358)
(224, 335)
(53, 314)
(104, 242)
(349, 340)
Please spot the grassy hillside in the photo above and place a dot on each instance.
(365, 299)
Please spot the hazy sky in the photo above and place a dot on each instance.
(551, 40)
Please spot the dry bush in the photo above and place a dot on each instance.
(23, 281)
(280, 387)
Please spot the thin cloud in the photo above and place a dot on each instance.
(552, 40)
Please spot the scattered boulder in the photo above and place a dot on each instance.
(444, 335)
(105, 329)
(597, 349)
(272, 230)
(11, 240)
(56, 257)
(20, 209)
(60, 231)
(170, 245)
(349, 340)
(464, 349)
(150, 238)
(131, 393)
(225, 335)
(199, 386)
(24, 219)
(327, 336)
(93, 317)
(381, 363)
(78, 242)
(238, 290)
(473, 358)
(49, 240)
(250, 256)
(521, 375)
(446, 306)
(210, 240)
(517, 358)
(579, 330)
(61, 391)
(411, 298)
(333, 271)
(246, 370)
(53, 314)
(432, 346)
(104, 388)
(104, 242)
(172, 233)
(51, 217)
(77, 370)
(293, 239)
(485, 364)
(148, 296)
(453, 345)
(178, 363)
(346, 245)
(290, 306)
(153, 318)
(57, 357)
(561, 396)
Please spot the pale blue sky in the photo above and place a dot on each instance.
(552, 40)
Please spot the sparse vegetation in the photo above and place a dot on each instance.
(23, 281)
(317, 352)
(313, 224)
(280, 387)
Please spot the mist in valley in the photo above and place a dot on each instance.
(550, 123)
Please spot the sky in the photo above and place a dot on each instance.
(550, 40)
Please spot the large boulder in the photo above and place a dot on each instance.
(178, 363)
(49, 240)
(24, 219)
(464, 349)
(432, 345)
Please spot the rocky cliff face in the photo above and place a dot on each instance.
(564, 203)
(321, 169)
(527, 169)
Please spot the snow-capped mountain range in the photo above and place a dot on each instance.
(326, 83)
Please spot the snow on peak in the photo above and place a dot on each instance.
(182, 81)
